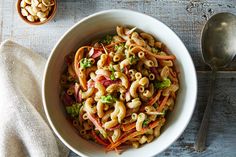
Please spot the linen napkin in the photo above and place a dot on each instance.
(24, 130)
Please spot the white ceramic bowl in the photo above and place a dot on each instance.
(102, 23)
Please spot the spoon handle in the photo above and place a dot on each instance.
(202, 132)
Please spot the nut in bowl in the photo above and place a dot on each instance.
(94, 27)
(36, 12)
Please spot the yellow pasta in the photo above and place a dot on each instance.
(88, 106)
(137, 39)
(122, 111)
(100, 108)
(132, 71)
(164, 72)
(135, 144)
(148, 37)
(124, 63)
(117, 38)
(151, 76)
(148, 63)
(147, 93)
(101, 90)
(141, 89)
(88, 93)
(106, 116)
(102, 61)
(121, 33)
(110, 123)
(117, 57)
(143, 139)
(123, 78)
(115, 88)
(150, 138)
(134, 103)
(144, 81)
(138, 75)
(139, 122)
(133, 89)
(134, 116)
(116, 134)
(141, 54)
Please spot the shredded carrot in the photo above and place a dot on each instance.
(98, 139)
(126, 133)
(153, 100)
(117, 151)
(128, 127)
(172, 73)
(154, 124)
(134, 134)
(171, 57)
(97, 124)
(163, 103)
(130, 136)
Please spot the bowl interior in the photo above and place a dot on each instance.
(99, 24)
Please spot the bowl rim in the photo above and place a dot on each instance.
(107, 12)
(53, 13)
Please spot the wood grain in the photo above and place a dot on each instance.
(187, 19)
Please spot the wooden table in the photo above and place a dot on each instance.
(186, 18)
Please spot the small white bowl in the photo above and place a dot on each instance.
(99, 24)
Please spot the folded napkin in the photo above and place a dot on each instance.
(24, 130)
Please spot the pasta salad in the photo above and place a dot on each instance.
(117, 90)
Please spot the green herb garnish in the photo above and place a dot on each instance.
(164, 84)
(120, 46)
(155, 105)
(74, 109)
(155, 50)
(108, 99)
(85, 63)
(106, 40)
(145, 122)
(133, 59)
(111, 68)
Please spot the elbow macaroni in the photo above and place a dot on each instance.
(116, 134)
(123, 78)
(139, 122)
(100, 108)
(148, 37)
(115, 87)
(101, 90)
(144, 81)
(119, 112)
(110, 123)
(134, 103)
(118, 86)
(88, 106)
(88, 93)
(133, 89)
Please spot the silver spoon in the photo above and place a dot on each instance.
(218, 50)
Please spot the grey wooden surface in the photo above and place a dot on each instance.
(186, 18)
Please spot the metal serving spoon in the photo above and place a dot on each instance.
(218, 50)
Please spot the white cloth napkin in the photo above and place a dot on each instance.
(24, 130)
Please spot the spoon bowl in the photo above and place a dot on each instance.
(219, 40)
